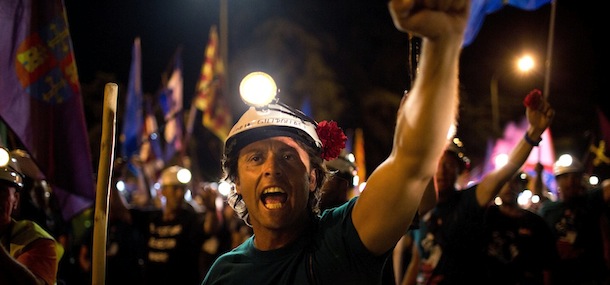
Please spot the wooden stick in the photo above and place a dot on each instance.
(104, 173)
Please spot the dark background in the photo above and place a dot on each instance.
(347, 58)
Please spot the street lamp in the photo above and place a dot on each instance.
(524, 64)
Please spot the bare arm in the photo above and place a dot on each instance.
(539, 119)
(410, 277)
(387, 206)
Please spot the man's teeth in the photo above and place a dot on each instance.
(272, 198)
(273, 205)
(273, 190)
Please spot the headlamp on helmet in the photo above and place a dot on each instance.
(566, 164)
(9, 169)
(175, 176)
(267, 118)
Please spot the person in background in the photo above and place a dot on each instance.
(539, 188)
(173, 234)
(205, 198)
(520, 246)
(451, 239)
(274, 158)
(339, 186)
(576, 221)
(28, 253)
(124, 246)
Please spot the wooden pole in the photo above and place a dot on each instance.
(224, 44)
(549, 51)
(104, 173)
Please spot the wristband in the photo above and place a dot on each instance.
(530, 141)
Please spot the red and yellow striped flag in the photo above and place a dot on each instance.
(216, 115)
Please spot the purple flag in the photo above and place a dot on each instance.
(41, 98)
(481, 8)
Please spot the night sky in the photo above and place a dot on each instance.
(365, 51)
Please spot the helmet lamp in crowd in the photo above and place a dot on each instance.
(258, 89)
(9, 169)
(175, 176)
(566, 164)
(184, 176)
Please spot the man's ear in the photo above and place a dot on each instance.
(236, 185)
(17, 198)
(312, 180)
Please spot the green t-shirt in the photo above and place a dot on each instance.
(330, 253)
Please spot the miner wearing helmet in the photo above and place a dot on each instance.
(339, 186)
(174, 234)
(274, 158)
(28, 254)
(576, 221)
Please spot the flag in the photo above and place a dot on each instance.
(359, 154)
(480, 8)
(216, 114)
(150, 151)
(306, 107)
(604, 126)
(3, 134)
(170, 100)
(600, 157)
(41, 98)
(133, 119)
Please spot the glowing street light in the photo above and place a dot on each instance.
(524, 64)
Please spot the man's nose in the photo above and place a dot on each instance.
(273, 166)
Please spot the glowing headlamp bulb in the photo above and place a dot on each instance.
(4, 157)
(184, 176)
(258, 89)
(565, 160)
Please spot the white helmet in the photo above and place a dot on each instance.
(342, 164)
(9, 169)
(563, 166)
(175, 176)
(273, 120)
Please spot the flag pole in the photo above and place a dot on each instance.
(548, 60)
(100, 223)
(224, 42)
(549, 50)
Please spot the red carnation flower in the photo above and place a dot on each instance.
(332, 138)
(533, 99)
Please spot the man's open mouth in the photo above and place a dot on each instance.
(274, 198)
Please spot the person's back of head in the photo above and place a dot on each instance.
(336, 189)
(452, 164)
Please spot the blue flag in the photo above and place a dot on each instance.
(133, 118)
(41, 98)
(170, 100)
(481, 8)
